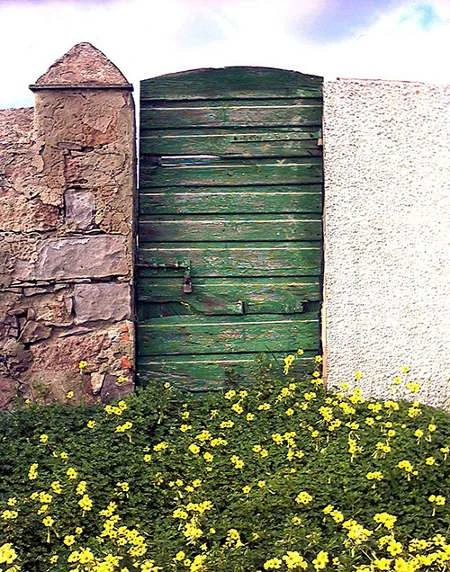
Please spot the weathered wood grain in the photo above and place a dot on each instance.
(215, 371)
(283, 171)
(174, 228)
(231, 83)
(234, 259)
(233, 142)
(212, 296)
(213, 334)
(232, 114)
(203, 200)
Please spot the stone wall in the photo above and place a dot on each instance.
(66, 235)
(387, 234)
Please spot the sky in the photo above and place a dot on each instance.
(378, 39)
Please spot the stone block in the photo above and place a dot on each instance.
(34, 331)
(94, 256)
(8, 391)
(102, 301)
(111, 390)
(80, 209)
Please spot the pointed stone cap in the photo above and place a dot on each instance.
(83, 66)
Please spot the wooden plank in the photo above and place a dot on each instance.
(232, 296)
(245, 172)
(174, 335)
(231, 83)
(232, 114)
(173, 228)
(278, 199)
(214, 371)
(255, 142)
(234, 259)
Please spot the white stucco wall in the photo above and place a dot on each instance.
(387, 234)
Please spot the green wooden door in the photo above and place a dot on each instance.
(230, 207)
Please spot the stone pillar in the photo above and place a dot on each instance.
(68, 281)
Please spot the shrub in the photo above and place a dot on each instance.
(279, 475)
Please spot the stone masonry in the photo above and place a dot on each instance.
(67, 176)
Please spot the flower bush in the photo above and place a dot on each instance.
(280, 475)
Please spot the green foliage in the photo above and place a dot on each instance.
(272, 476)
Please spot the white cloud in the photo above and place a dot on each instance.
(146, 38)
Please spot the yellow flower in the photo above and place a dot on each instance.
(121, 379)
(180, 556)
(250, 416)
(230, 394)
(237, 408)
(375, 476)
(382, 563)
(123, 486)
(303, 498)
(358, 375)
(9, 514)
(388, 520)
(48, 521)
(69, 394)
(246, 489)
(405, 369)
(294, 561)
(194, 449)
(413, 387)
(82, 365)
(273, 564)
(184, 427)
(71, 473)
(264, 407)
(161, 446)
(90, 424)
(12, 501)
(237, 462)
(318, 359)
(69, 540)
(208, 457)
(33, 472)
(321, 560)
(430, 460)
(126, 427)
(7, 554)
(147, 458)
(288, 361)
(261, 484)
(43, 438)
(394, 548)
(81, 487)
(85, 503)
(337, 516)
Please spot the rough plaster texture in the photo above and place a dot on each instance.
(66, 216)
(387, 235)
